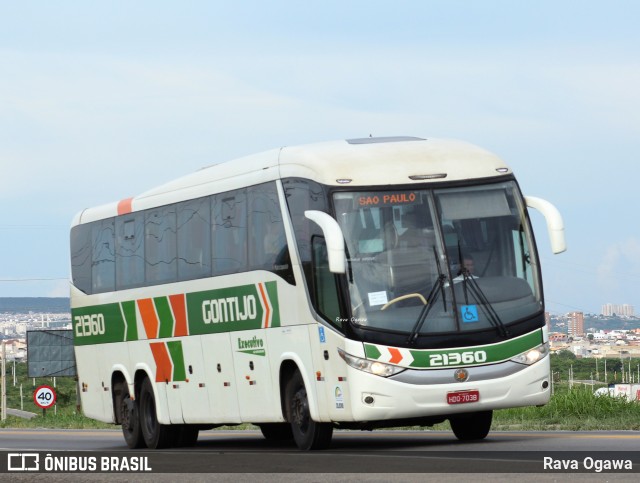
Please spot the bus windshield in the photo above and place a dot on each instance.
(439, 261)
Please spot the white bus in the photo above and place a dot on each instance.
(363, 283)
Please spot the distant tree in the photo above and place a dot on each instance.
(566, 355)
(590, 337)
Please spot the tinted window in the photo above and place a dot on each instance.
(194, 239)
(130, 250)
(103, 256)
(160, 245)
(302, 195)
(81, 257)
(267, 240)
(229, 238)
(226, 233)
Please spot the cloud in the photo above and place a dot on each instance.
(58, 289)
(619, 269)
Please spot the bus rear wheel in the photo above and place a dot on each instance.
(472, 426)
(129, 417)
(155, 435)
(307, 433)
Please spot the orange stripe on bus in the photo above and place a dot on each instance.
(179, 314)
(266, 306)
(164, 367)
(396, 355)
(125, 206)
(149, 317)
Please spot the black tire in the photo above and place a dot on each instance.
(472, 426)
(277, 431)
(187, 435)
(155, 435)
(130, 418)
(307, 433)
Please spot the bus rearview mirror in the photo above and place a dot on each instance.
(333, 237)
(555, 224)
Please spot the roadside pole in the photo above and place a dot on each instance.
(4, 382)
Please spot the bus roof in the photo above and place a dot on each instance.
(353, 162)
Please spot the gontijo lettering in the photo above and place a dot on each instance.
(229, 309)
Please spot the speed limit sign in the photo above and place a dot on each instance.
(44, 397)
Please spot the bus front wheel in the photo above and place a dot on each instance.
(155, 435)
(472, 426)
(307, 433)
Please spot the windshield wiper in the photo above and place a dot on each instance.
(438, 287)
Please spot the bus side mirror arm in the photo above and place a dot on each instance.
(333, 237)
(555, 224)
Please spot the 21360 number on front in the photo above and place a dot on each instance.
(457, 358)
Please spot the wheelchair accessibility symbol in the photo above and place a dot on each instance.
(469, 313)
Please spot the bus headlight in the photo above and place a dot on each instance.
(373, 367)
(532, 355)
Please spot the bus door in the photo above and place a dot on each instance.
(194, 397)
(220, 378)
(253, 376)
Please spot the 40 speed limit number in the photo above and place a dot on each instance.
(44, 397)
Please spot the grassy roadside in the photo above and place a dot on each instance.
(572, 410)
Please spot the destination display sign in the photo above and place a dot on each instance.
(392, 198)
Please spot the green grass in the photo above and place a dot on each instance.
(573, 410)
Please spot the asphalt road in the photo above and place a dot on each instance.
(362, 453)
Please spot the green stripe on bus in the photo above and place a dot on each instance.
(499, 352)
(129, 311)
(165, 317)
(272, 293)
(208, 312)
(372, 352)
(464, 356)
(96, 325)
(177, 357)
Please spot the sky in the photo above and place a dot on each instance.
(100, 101)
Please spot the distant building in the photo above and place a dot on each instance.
(624, 310)
(547, 320)
(575, 324)
(557, 337)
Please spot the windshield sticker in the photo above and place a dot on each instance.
(469, 313)
(378, 298)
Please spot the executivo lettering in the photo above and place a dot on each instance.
(253, 346)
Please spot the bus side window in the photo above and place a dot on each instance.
(130, 251)
(104, 256)
(81, 257)
(325, 286)
(229, 237)
(160, 245)
(194, 239)
(268, 248)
